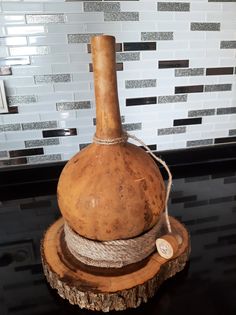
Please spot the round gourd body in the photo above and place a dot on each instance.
(111, 192)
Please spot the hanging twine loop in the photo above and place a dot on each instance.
(119, 253)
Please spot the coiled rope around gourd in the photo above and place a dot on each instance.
(118, 253)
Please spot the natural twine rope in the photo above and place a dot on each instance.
(112, 254)
(113, 141)
(118, 253)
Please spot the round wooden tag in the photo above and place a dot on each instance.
(167, 246)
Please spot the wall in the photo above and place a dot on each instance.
(175, 67)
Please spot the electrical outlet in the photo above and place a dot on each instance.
(3, 100)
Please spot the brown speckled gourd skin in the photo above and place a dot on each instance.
(109, 192)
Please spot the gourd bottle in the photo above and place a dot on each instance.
(111, 189)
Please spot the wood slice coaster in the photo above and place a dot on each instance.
(105, 289)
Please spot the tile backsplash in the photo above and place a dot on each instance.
(175, 68)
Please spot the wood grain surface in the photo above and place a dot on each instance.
(96, 290)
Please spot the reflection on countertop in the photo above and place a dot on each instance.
(205, 204)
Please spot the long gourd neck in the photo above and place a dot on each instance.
(108, 121)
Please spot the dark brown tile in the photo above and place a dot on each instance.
(59, 132)
(215, 229)
(139, 46)
(201, 220)
(219, 71)
(141, 101)
(225, 140)
(165, 64)
(189, 89)
(11, 162)
(184, 199)
(35, 204)
(221, 199)
(187, 121)
(26, 152)
(198, 203)
(11, 110)
(196, 179)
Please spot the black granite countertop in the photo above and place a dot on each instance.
(204, 202)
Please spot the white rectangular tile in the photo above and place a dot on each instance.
(67, 7)
(33, 50)
(32, 70)
(12, 19)
(4, 52)
(22, 7)
(10, 119)
(87, 76)
(66, 29)
(106, 28)
(72, 86)
(13, 41)
(25, 30)
(83, 95)
(171, 25)
(206, 7)
(187, 35)
(58, 59)
(176, 45)
(32, 89)
(60, 149)
(156, 16)
(48, 39)
(13, 145)
(16, 82)
(72, 67)
(225, 126)
(70, 49)
(215, 134)
(134, 26)
(3, 31)
(146, 6)
(57, 97)
(23, 135)
(202, 127)
(85, 17)
(144, 64)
